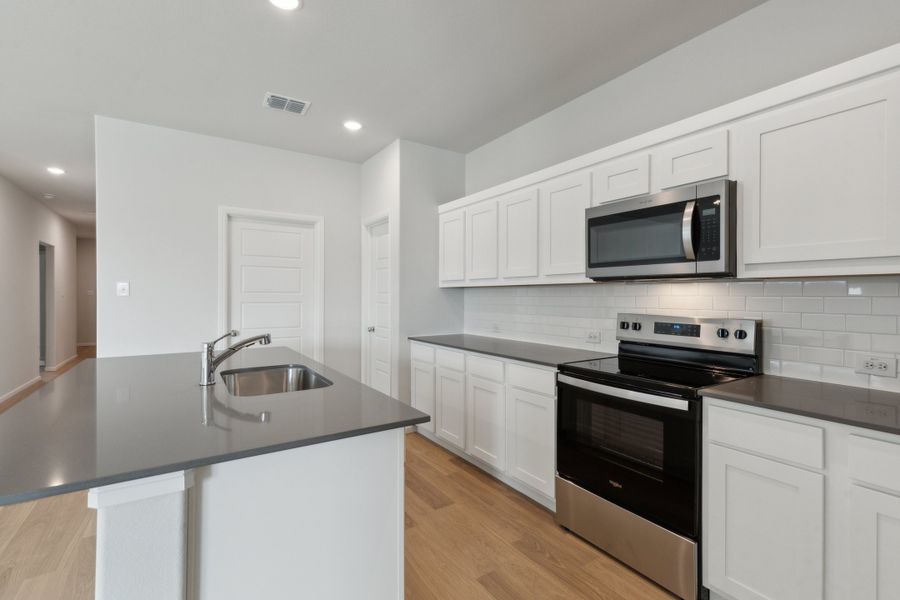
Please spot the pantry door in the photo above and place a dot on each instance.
(274, 280)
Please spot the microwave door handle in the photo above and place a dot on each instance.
(687, 226)
(623, 394)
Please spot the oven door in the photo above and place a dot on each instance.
(640, 451)
(652, 236)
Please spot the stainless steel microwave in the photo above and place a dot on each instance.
(682, 232)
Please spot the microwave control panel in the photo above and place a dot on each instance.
(710, 226)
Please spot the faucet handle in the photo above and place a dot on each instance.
(231, 333)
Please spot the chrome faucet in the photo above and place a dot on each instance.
(210, 361)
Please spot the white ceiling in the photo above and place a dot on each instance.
(453, 74)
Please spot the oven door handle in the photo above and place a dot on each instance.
(631, 395)
(687, 230)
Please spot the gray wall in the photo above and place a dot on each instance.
(771, 44)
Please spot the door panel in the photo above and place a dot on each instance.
(379, 327)
(562, 204)
(765, 528)
(876, 544)
(695, 159)
(531, 426)
(519, 234)
(272, 279)
(422, 391)
(452, 250)
(621, 179)
(481, 241)
(486, 408)
(450, 399)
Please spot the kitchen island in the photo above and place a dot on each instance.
(201, 494)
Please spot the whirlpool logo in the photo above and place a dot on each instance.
(615, 484)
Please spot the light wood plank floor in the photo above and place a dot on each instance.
(468, 537)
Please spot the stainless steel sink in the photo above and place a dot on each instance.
(257, 381)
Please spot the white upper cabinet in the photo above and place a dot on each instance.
(563, 201)
(519, 234)
(452, 249)
(621, 179)
(481, 241)
(821, 182)
(694, 159)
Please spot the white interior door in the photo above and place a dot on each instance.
(378, 320)
(272, 282)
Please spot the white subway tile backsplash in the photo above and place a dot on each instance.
(852, 306)
(816, 329)
(783, 288)
(823, 322)
(764, 304)
(886, 306)
(804, 305)
(871, 324)
(825, 288)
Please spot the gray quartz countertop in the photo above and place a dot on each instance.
(110, 420)
(542, 354)
(860, 407)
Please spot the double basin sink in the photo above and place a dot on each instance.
(258, 381)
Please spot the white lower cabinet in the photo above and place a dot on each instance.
(765, 523)
(422, 390)
(500, 414)
(792, 515)
(876, 544)
(450, 406)
(531, 423)
(486, 411)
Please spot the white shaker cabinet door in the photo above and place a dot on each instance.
(563, 201)
(481, 241)
(486, 410)
(452, 248)
(621, 179)
(765, 528)
(450, 404)
(820, 178)
(875, 548)
(694, 159)
(519, 234)
(531, 423)
(422, 391)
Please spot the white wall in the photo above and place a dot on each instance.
(813, 329)
(86, 253)
(771, 44)
(408, 181)
(158, 193)
(24, 223)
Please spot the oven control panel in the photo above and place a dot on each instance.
(724, 335)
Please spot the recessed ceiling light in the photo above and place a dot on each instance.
(353, 125)
(287, 4)
(56, 171)
(49, 196)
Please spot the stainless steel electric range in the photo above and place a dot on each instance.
(628, 439)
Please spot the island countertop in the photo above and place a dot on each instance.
(110, 420)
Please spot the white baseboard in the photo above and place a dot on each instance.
(62, 364)
(81, 344)
(15, 391)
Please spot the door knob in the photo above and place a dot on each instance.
(370, 329)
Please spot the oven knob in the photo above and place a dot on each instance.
(624, 325)
(740, 334)
(722, 332)
(636, 326)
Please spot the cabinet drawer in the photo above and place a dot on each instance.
(770, 436)
(486, 368)
(422, 353)
(876, 462)
(451, 359)
(542, 381)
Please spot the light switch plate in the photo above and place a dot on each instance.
(123, 288)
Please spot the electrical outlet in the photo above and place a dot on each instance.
(592, 337)
(883, 366)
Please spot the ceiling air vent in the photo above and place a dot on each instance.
(287, 104)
